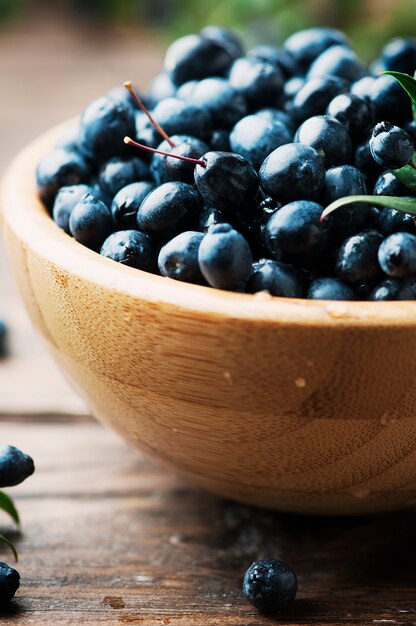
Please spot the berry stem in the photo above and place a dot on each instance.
(412, 164)
(129, 86)
(131, 142)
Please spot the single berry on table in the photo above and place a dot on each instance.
(15, 466)
(270, 585)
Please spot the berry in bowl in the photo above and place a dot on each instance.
(225, 267)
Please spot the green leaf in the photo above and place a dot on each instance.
(407, 82)
(7, 505)
(405, 205)
(407, 175)
(11, 546)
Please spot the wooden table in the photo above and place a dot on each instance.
(109, 538)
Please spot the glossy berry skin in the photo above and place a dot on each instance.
(330, 289)
(194, 57)
(278, 279)
(315, 95)
(129, 247)
(292, 87)
(341, 181)
(220, 140)
(354, 112)
(391, 146)
(90, 222)
(15, 466)
(397, 255)
(60, 168)
(260, 82)
(104, 124)
(178, 259)
(388, 289)
(306, 45)
(357, 260)
(387, 184)
(225, 104)
(9, 583)
(127, 202)
(328, 137)
(161, 87)
(227, 182)
(400, 55)
(177, 117)
(254, 138)
(270, 585)
(66, 199)
(391, 102)
(296, 229)
(169, 209)
(119, 172)
(391, 221)
(226, 38)
(210, 217)
(363, 160)
(164, 169)
(4, 333)
(337, 61)
(225, 258)
(277, 115)
(276, 56)
(362, 86)
(291, 172)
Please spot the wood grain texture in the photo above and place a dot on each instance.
(111, 539)
(298, 405)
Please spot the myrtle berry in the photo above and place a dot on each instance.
(341, 181)
(328, 137)
(391, 146)
(177, 117)
(90, 222)
(220, 140)
(224, 257)
(195, 57)
(306, 45)
(15, 466)
(57, 169)
(337, 61)
(270, 585)
(330, 289)
(67, 198)
(315, 95)
(226, 37)
(400, 55)
(9, 583)
(391, 221)
(397, 255)
(357, 259)
(254, 138)
(169, 209)
(129, 247)
(354, 112)
(225, 104)
(391, 103)
(388, 289)
(279, 279)
(178, 259)
(387, 184)
(260, 82)
(119, 172)
(127, 202)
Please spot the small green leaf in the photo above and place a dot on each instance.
(407, 82)
(7, 505)
(11, 546)
(407, 175)
(405, 205)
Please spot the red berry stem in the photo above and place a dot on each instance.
(129, 86)
(412, 164)
(142, 146)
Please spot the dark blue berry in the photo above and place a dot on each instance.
(391, 146)
(391, 102)
(169, 209)
(178, 259)
(127, 202)
(129, 247)
(254, 138)
(292, 87)
(90, 222)
(225, 104)
(296, 228)
(357, 260)
(362, 86)
(104, 124)
(161, 87)
(270, 585)
(119, 172)
(9, 583)
(60, 168)
(276, 56)
(177, 117)
(65, 200)
(165, 169)
(388, 289)
(400, 55)
(354, 112)
(293, 171)
(260, 82)
(227, 182)
(276, 115)
(387, 184)
(328, 137)
(195, 57)
(337, 61)
(341, 181)
(391, 221)
(330, 289)
(224, 257)
(15, 466)
(363, 160)
(410, 128)
(279, 279)
(397, 255)
(220, 140)
(314, 96)
(225, 37)
(306, 45)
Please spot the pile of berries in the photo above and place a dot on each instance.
(15, 467)
(227, 176)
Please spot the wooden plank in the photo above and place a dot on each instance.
(109, 538)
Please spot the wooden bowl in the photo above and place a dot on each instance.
(304, 406)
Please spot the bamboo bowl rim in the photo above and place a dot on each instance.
(25, 216)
